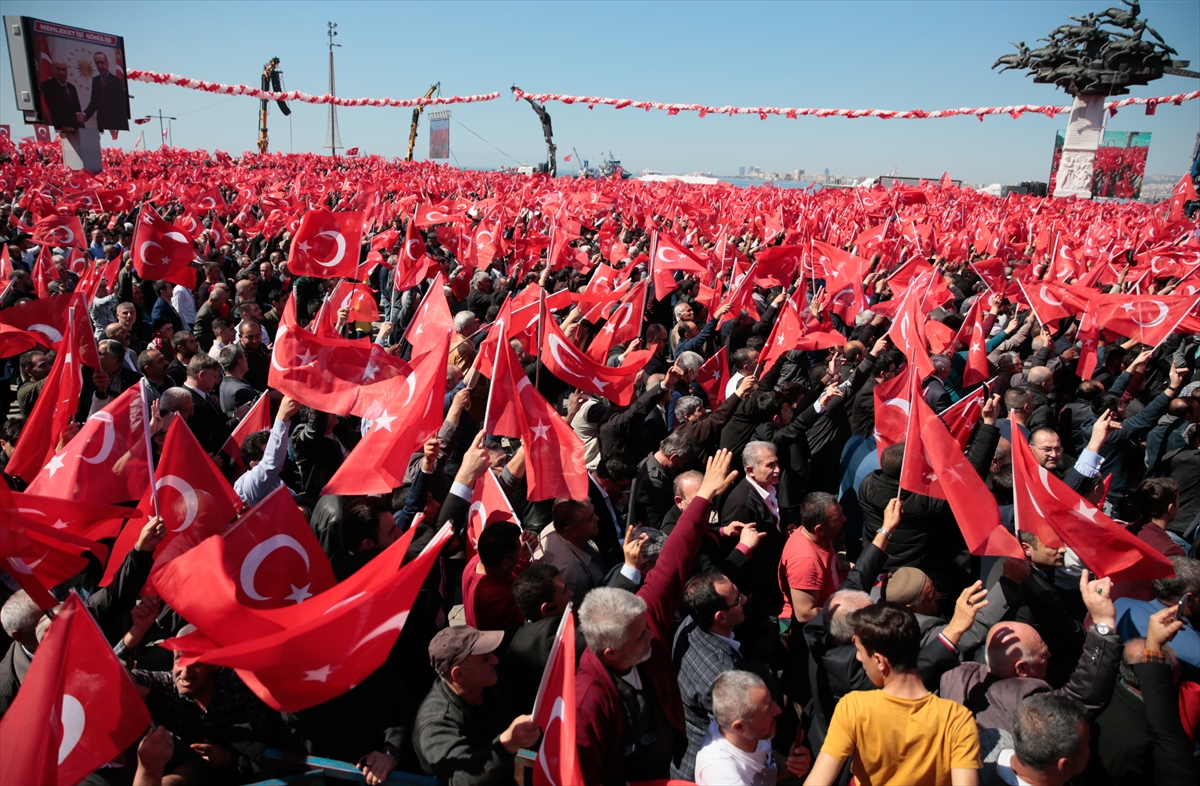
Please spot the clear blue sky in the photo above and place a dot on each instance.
(894, 55)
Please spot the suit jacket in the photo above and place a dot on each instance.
(700, 657)
(651, 495)
(62, 103)
(235, 392)
(208, 423)
(612, 530)
(1139, 739)
(600, 719)
(936, 395)
(744, 504)
(108, 103)
(202, 328)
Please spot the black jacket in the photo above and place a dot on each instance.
(459, 743)
(61, 101)
(621, 433)
(744, 504)
(651, 495)
(208, 422)
(108, 103)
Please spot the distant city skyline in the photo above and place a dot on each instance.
(889, 55)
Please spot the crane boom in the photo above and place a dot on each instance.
(270, 81)
(412, 132)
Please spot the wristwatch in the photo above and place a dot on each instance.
(1102, 629)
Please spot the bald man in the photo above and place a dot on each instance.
(1040, 380)
(1017, 659)
(60, 101)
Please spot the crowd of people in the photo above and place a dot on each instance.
(760, 597)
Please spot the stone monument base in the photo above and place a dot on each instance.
(1084, 133)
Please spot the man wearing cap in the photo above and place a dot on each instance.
(912, 589)
(462, 739)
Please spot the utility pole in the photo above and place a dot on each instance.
(162, 130)
(333, 140)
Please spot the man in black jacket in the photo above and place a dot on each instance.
(207, 422)
(60, 99)
(651, 495)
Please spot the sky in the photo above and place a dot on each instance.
(854, 55)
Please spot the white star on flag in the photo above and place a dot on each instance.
(300, 594)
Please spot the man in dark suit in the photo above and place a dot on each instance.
(652, 495)
(207, 422)
(108, 98)
(109, 381)
(753, 501)
(608, 483)
(60, 100)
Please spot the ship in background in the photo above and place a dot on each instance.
(609, 166)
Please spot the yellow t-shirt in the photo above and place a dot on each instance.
(902, 741)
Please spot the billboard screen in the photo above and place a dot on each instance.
(1119, 166)
(79, 76)
(439, 134)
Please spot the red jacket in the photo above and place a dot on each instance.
(600, 720)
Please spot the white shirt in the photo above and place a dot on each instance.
(1005, 771)
(768, 497)
(721, 763)
(184, 304)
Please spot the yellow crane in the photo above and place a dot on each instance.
(412, 132)
(270, 81)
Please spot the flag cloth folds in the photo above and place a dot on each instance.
(554, 712)
(77, 708)
(327, 244)
(160, 251)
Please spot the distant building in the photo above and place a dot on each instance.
(741, 171)
(826, 171)
(797, 174)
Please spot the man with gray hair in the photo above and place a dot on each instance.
(178, 401)
(935, 392)
(1048, 745)
(630, 716)
(482, 297)
(462, 351)
(737, 746)
(651, 494)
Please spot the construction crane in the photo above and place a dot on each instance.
(270, 81)
(412, 132)
(547, 132)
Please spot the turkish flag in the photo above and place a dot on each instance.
(189, 224)
(907, 331)
(599, 288)
(778, 265)
(257, 419)
(5, 263)
(83, 519)
(554, 712)
(553, 451)
(161, 252)
(624, 323)
(845, 295)
(43, 273)
(740, 297)
(248, 223)
(414, 263)
(432, 320)
(325, 651)
(489, 504)
(120, 199)
(892, 409)
(935, 466)
(409, 412)
(207, 199)
(785, 334)
(359, 298)
(1050, 509)
(58, 231)
(268, 558)
(971, 334)
(385, 241)
(194, 500)
(1050, 301)
(1148, 319)
(670, 256)
(53, 411)
(35, 555)
(327, 244)
(713, 376)
(1183, 192)
(962, 417)
(77, 709)
(567, 362)
(42, 133)
(428, 215)
(106, 461)
(992, 273)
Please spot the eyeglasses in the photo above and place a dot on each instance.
(1052, 451)
(740, 601)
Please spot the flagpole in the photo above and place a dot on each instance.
(1016, 508)
(149, 445)
(541, 336)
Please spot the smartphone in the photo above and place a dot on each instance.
(1182, 605)
(987, 392)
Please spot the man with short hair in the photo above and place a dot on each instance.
(1133, 616)
(224, 335)
(566, 546)
(705, 648)
(487, 580)
(35, 367)
(1049, 744)
(650, 494)
(185, 347)
(153, 365)
(108, 102)
(629, 723)
(810, 570)
(163, 309)
(462, 735)
(263, 454)
(935, 392)
(462, 351)
(258, 357)
(902, 733)
(737, 744)
(207, 422)
(60, 99)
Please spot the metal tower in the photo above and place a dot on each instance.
(333, 140)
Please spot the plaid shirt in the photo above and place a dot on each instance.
(700, 658)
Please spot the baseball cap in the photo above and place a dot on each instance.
(654, 545)
(452, 646)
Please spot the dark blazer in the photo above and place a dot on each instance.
(235, 392)
(202, 328)
(208, 423)
(125, 380)
(62, 103)
(108, 103)
(651, 494)
(762, 581)
(617, 433)
(608, 541)
(1139, 739)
